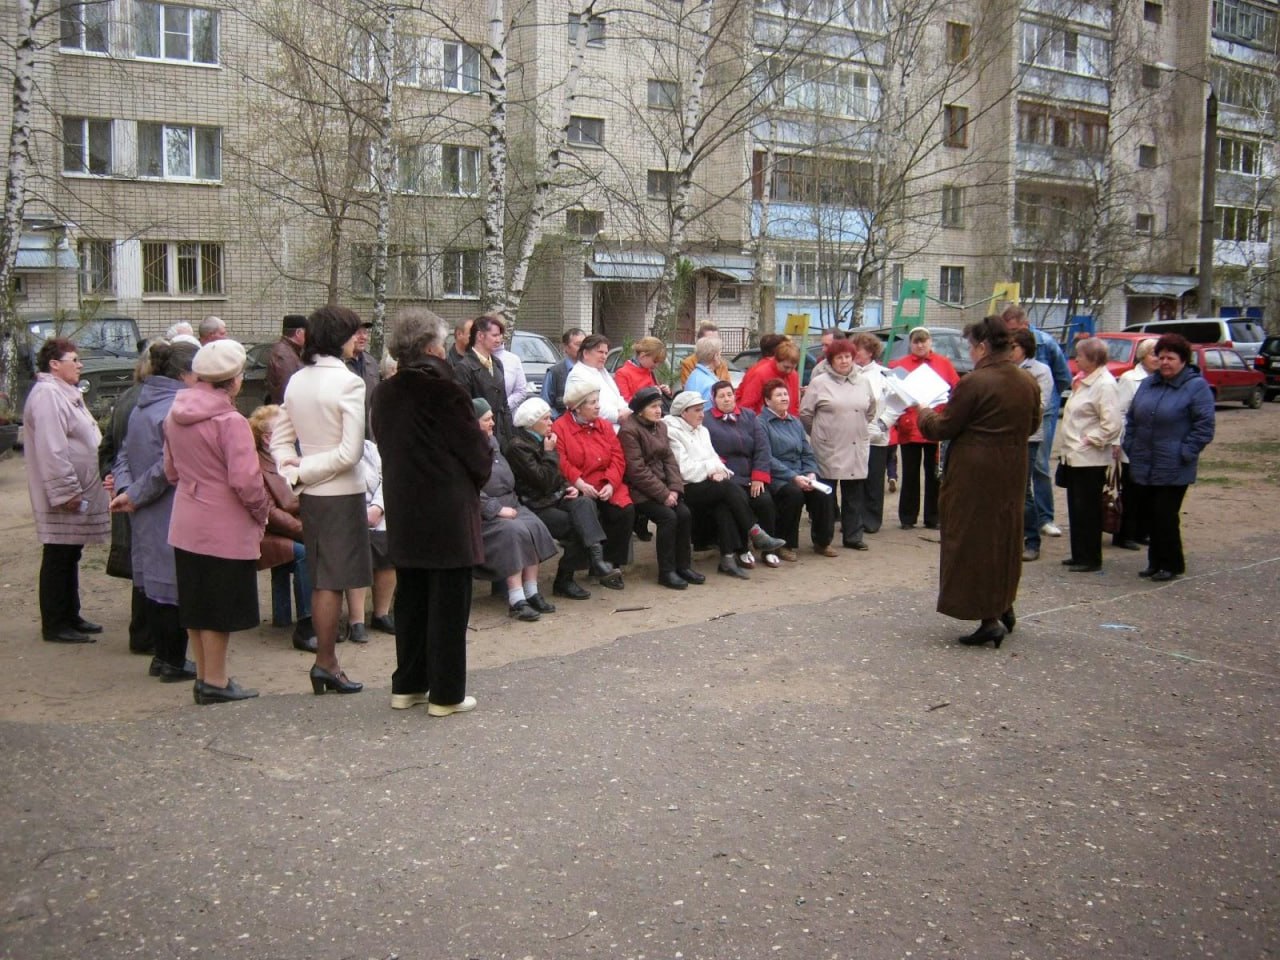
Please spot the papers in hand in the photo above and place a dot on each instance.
(921, 387)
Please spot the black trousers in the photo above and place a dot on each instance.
(432, 608)
(59, 586)
(576, 525)
(852, 504)
(1132, 525)
(873, 491)
(790, 500)
(619, 524)
(913, 455)
(139, 636)
(1084, 512)
(1160, 513)
(729, 507)
(675, 526)
(168, 639)
(765, 510)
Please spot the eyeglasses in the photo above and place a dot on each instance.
(71, 358)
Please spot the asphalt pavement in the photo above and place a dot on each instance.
(833, 780)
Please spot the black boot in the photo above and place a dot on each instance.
(599, 566)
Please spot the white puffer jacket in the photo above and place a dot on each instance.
(693, 451)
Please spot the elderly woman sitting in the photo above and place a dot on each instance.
(794, 469)
(567, 512)
(740, 441)
(708, 485)
(515, 540)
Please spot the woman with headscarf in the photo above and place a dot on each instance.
(144, 492)
(219, 512)
(569, 515)
(515, 540)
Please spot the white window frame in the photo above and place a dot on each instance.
(663, 94)
(163, 41)
(457, 268)
(97, 268)
(84, 143)
(595, 30)
(1241, 225)
(953, 207)
(797, 274)
(665, 181)
(1240, 155)
(176, 254)
(1052, 48)
(577, 131)
(575, 220)
(193, 135)
(951, 284)
(459, 170)
(455, 58)
(1144, 224)
(77, 18)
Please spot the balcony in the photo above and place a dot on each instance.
(806, 221)
(1057, 163)
(1060, 85)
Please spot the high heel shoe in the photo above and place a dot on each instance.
(322, 680)
(994, 633)
(1009, 619)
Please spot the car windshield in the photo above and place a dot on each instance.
(1119, 351)
(1246, 331)
(98, 338)
(534, 350)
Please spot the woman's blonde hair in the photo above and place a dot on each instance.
(1144, 349)
(261, 420)
(650, 347)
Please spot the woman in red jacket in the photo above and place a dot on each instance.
(781, 366)
(916, 448)
(637, 373)
(591, 460)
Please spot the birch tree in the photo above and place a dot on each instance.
(385, 173)
(494, 259)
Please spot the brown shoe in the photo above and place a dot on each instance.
(826, 551)
(789, 555)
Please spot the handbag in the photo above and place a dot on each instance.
(1060, 475)
(1112, 511)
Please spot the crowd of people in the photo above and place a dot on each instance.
(414, 480)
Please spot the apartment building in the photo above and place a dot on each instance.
(194, 159)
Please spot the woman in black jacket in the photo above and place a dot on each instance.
(570, 517)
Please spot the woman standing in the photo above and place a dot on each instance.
(318, 442)
(1091, 427)
(655, 482)
(589, 373)
(67, 496)
(219, 512)
(143, 490)
(794, 471)
(837, 410)
(1132, 533)
(515, 540)
(782, 365)
(916, 448)
(1170, 421)
(650, 352)
(988, 419)
(866, 361)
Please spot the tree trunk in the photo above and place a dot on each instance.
(16, 186)
(386, 171)
(494, 267)
(763, 267)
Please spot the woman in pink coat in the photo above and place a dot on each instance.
(219, 513)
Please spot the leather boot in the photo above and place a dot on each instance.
(599, 566)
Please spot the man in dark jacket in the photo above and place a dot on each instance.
(482, 376)
(285, 358)
(364, 366)
(435, 460)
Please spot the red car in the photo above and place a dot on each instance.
(1121, 348)
(1230, 378)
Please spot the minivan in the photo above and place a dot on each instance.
(1240, 333)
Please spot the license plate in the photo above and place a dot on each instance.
(1275, 363)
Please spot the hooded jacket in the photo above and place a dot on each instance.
(220, 507)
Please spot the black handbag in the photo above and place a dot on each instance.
(1112, 509)
(1060, 475)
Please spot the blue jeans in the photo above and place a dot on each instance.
(1042, 476)
(280, 615)
(1030, 512)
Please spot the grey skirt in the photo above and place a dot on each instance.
(336, 533)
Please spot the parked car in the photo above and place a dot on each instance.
(1229, 376)
(1267, 362)
(107, 345)
(537, 354)
(1238, 333)
(1121, 351)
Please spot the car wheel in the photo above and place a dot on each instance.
(1255, 399)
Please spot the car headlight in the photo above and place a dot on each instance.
(84, 386)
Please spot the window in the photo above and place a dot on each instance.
(169, 152)
(951, 285)
(835, 89)
(85, 26)
(1238, 156)
(1146, 156)
(1075, 129)
(953, 207)
(1242, 88)
(808, 179)
(1151, 76)
(1242, 225)
(1041, 280)
(86, 146)
(97, 268)
(957, 42)
(408, 271)
(586, 131)
(728, 293)
(181, 269)
(1057, 49)
(797, 275)
(583, 223)
(1144, 224)
(461, 273)
(460, 170)
(167, 32)
(1245, 22)
(595, 30)
(411, 168)
(1153, 12)
(664, 95)
(461, 68)
(955, 126)
(660, 184)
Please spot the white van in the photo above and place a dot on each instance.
(1243, 334)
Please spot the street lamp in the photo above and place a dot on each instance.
(1208, 189)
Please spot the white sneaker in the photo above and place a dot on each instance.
(403, 701)
(443, 710)
(1050, 530)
